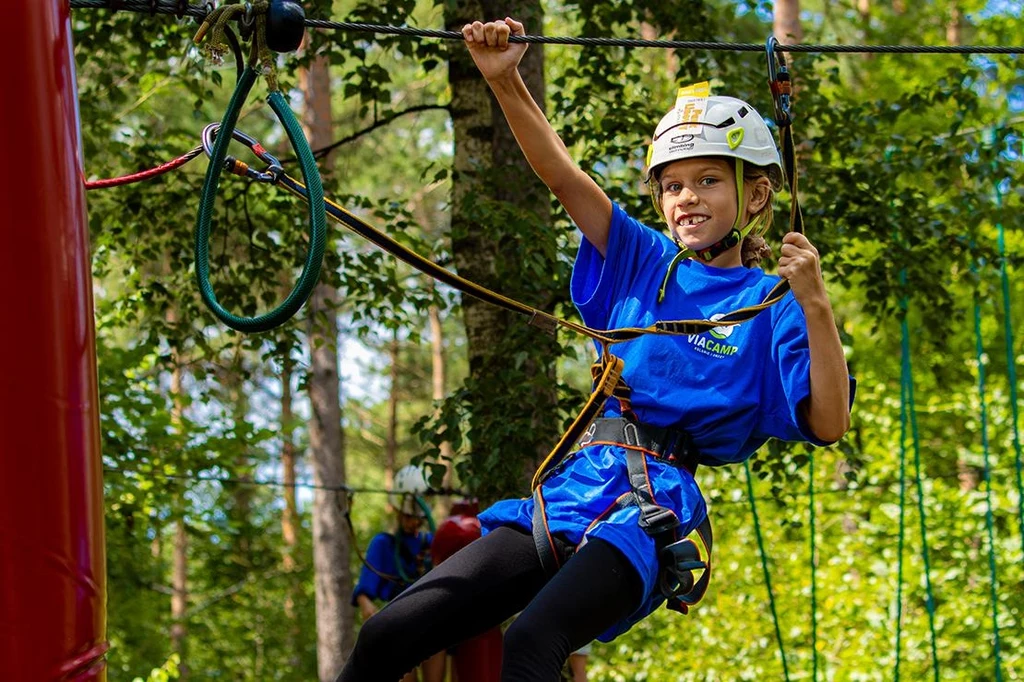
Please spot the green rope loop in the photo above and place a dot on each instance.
(814, 571)
(317, 214)
(979, 351)
(764, 569)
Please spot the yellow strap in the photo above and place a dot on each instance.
(602, 391)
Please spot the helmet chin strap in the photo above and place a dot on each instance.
(707, 254)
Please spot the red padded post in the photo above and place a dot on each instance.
(52, 566)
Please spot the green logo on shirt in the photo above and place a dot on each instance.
(712, 346)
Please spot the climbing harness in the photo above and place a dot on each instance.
(677, 558)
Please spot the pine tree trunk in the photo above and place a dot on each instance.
(786, 22)
(179, 597)
(391, 449)
(333, 579)
(179, 562)
(290, 513)
(954, 24)
(489, 166)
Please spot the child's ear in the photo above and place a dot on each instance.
(760, 194)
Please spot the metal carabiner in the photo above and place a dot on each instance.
(273, 171)
(779, 82)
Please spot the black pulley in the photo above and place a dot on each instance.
(286, 24)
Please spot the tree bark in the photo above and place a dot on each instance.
(954, 25)
(391, 449)
(179, 562)
(489, 167)
(438, 378)
(290, 513)
(179, 597)
(786, 22)
(333, 579)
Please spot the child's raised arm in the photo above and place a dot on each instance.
(498, 61)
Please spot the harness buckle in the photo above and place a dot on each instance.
(657, 520)
(678, 562)
(588, 435)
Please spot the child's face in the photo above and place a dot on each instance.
(409, 523)
(698, 197)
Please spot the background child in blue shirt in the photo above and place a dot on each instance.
(393, 561)
(782, 374)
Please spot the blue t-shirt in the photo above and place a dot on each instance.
(413, 555)
(731, 389)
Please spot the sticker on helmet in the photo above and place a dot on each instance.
(691, 103)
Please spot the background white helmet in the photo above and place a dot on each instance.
(409, 483)
(728, 127)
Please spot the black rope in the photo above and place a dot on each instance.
(673, 44)
(178, 8)
(175, 7)
(129, 472)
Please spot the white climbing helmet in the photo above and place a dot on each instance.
(727, 127)
(409, 483)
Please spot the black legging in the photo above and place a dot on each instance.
(484, 584)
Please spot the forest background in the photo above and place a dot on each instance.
(229, 458)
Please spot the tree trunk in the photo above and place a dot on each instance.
(290, 514)
(391, 449)
(438, 378)
(179, 596)
(489, 167)
(179, 562)
(786, 22)
(333, 579)
(954, 24)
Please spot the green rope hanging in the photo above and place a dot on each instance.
(814, 572)
(908, 412)
(987, 477)
(764, 569)
(1011, 368)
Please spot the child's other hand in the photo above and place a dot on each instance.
(488, 45)
(799, 263)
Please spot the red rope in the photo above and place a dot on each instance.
(146, 174)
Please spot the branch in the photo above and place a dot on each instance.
(321, 153)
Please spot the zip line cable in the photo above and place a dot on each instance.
(200, 11)
(272, 483)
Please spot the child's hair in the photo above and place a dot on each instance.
(754, 248)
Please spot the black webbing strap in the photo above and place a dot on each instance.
(549, 550)
(654, 519)
(676, 559)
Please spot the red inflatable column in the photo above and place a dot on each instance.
(52, 572)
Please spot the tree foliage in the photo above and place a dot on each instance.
(901, 160)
